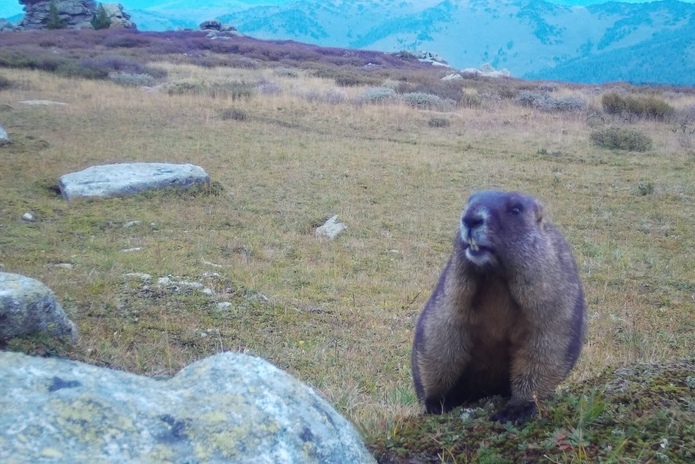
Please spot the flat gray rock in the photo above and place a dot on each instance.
(112, 180)
(331, 228)
(42, 103)
(228, 408)
(28, 307)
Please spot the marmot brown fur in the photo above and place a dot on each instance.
(507, 316)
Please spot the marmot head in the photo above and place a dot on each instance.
(498, 229)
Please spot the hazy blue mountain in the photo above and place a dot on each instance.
(577, 40)
(666, 58)
(609, 41)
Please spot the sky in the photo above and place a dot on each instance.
(10, 8)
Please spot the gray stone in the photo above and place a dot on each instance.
(42, 103)
(131, 250)
(28, 307)
(4, 138)
(118, 16)
(211, 25)
(66, 266)
(223, 409)
(139, 275)
(75, 14)
(214, 25)
(129, 178)
(485, 70)
(28, 217)
(331, 228)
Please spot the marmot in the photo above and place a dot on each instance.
(507, 316)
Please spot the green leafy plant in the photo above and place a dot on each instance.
(639, 107)
(618, 138)
(101, 19)
(54, 20)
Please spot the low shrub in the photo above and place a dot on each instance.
(645, 188)
(269, 88)
(286, 72)
(377, 95)
(185, 87)
(445, 90)
(5, 83)
(101, 67)
(508, 92)
(234, 90)
(126, 41)
(438, 122)
(617, 138)
(234, 113)
(544, 102)
(354, 80)
(471, 100)
(30, 59)
(636, 107)
(132, 80)
(685, 115)
(243, 62)
(330, 96)
(425, 101)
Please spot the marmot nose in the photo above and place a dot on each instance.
(473, 220)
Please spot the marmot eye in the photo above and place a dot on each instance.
(517, 209)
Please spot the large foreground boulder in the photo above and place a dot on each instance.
(225, 408)
(28, 307)
(112, 180)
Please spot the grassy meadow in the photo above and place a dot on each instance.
(293, 148)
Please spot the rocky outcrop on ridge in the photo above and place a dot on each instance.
(118, 16)
(74, 14)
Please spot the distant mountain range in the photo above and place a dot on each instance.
(647, 42)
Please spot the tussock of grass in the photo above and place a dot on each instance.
(644, 413)
(339, 314)
(620, 138)
(637, 107)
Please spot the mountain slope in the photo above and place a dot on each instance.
(667, 58)
(530, 38)
(599, 42)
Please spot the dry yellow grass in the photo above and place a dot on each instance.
(340, 313)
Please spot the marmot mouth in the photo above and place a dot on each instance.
(474, 249)
(478, 250)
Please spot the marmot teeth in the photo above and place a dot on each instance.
(474, 246)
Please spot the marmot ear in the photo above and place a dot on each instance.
(539, 210)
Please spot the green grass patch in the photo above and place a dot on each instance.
(339, 314)
(644, 413)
